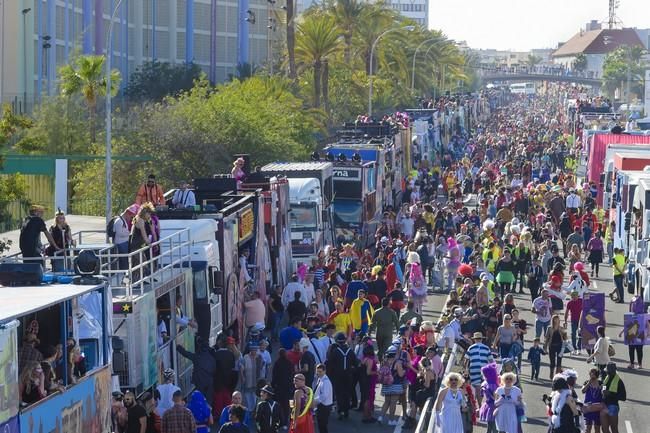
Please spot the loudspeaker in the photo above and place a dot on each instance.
(21, 274)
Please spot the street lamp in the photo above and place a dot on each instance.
(25, 12)
(109, 120)
(414, 57)
(372, 55)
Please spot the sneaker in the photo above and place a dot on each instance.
(380, 419)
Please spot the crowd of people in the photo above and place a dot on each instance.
(494, 213)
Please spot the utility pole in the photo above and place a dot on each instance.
(629, 78)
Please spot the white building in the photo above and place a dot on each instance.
(595, 45)
(417, 10)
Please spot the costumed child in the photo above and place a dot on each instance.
(488, 387)
(452, 262)
(417, 287)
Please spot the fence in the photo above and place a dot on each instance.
(12, 214)
(97, 206)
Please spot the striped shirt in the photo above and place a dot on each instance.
(478, 355)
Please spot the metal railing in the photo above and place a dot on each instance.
(130, 274)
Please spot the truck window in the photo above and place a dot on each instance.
(303, 218)
(348, 213)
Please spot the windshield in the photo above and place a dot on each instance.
(303, 218)
(347, 213)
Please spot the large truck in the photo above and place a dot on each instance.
(622, 192)
(310, 196)
(357, 212)
(621, 157)
(276, 193)
(243, 249)
(637, 225)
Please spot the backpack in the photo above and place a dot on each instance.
(385, 374)
(636, 305)
(110, 227)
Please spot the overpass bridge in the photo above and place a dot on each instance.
(491, 76)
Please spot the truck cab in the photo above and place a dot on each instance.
(306, 217)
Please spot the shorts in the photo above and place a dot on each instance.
(613, 409)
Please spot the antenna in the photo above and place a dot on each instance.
(612, 19)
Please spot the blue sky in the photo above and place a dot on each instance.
(525, 24)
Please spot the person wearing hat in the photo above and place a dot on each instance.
(183, 197)
(477, 356)
(150, 192)
(341, 364)
(267, 412)
(307, 361)
(166, 390)
(30, 236)
(251, 372)
(119, 413)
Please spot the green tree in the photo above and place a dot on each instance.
(532, 60)
(86, 76)
(346, 15)
(153, 81)
(615, 70)
(13, 187)
(580, 63)
(318, 39)
(197, 133)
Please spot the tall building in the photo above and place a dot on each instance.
(417, 10)
(38, 36)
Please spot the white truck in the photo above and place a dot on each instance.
(310, 197)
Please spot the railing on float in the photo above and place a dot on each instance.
(130, 274)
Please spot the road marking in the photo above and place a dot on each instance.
(628, 426)
(400, 423)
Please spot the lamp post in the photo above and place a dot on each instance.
(414, 57)
(25, 12)
(109, 120)
(372, 55)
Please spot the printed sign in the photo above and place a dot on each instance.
(347, 174)
(593, 316)
(246, 225)
(636, 329)
(9, 369)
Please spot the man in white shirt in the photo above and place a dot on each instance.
(166, 391)
(183, 197)
(323, 398)
(291, 288)
(573, 200)
(407, 224)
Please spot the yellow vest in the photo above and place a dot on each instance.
(619, 261)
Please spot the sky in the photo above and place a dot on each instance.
(525, 24)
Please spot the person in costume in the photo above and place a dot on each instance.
(361, 313)
(417, 287)
(452, 262)
(302, 420)
(341, 366)
(488, 387)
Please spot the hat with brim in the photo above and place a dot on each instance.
(477, 336)
(267, 389)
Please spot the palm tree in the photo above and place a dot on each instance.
(291, 39)
(346, 14)
(86, 76)
(374, 20)
(318, 38)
